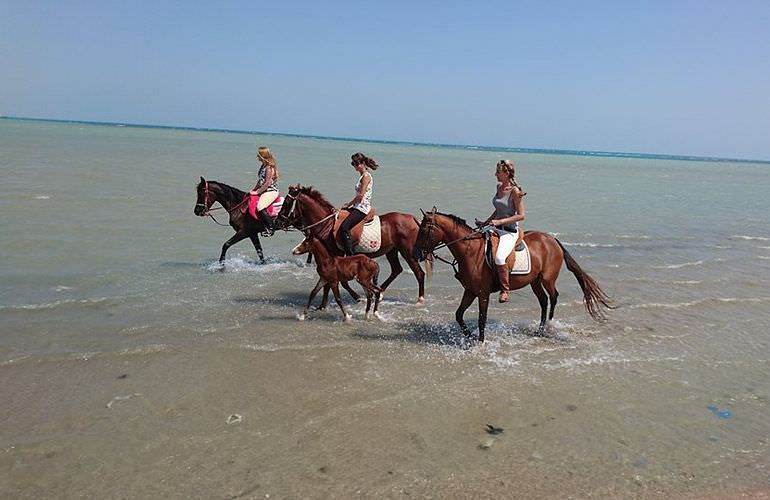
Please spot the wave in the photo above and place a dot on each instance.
(53, 305)
(632, 236)
(239, 264)
(681, 305)
(589, 244)
(678, 266)
(42, 197)
(744, 237)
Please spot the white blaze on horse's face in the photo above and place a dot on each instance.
(303, 247)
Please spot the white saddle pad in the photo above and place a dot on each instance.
(371, 238)
(522, 264)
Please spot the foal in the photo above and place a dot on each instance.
(333, 269)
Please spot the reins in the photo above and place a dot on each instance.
(208, 209)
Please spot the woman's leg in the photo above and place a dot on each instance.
(504, 247)
(354, 217)
(265, 200)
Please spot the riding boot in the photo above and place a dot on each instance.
(267, 221)
(503, 274)
(348, 242)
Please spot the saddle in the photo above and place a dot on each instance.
(365, 243)
(251, 207)
(518, 261)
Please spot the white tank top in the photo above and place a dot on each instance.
(366, 201)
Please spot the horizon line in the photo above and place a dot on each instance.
(551, 151)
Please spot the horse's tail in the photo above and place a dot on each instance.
(594, 298)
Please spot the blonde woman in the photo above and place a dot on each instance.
(266, 187)
(509, 212)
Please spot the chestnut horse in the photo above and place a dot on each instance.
(479, 280)
(334, 270)
(309, 211)
(231, 199)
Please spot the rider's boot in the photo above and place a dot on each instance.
(348, 242)
(267, 221)
(502, 275)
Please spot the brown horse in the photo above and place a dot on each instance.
(335, 270)
(231, 199)
(480, 280)
(309, 211)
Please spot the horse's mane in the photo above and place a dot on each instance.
(228, 187)
(317, 196)
(457, 220)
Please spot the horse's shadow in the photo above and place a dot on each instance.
(293, 299)
(446, 334)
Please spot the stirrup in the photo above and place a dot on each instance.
(267, 232)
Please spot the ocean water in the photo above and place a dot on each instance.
(133, 366)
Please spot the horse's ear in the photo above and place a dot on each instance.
(434, 209)
(423, 212)
(202, 179)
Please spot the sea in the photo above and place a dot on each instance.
(133, 365)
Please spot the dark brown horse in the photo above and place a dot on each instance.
(231, 199)
(479, 280)
(308, 210)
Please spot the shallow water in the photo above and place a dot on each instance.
(105, 272)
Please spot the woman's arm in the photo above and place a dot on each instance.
(258, 190)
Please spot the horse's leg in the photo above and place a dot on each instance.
(465, 303)
(336, 290)
(232, 241)
(377, 294)
(310, 298)
(542, 298)
(325, 298)
(369, 293)
(395, 268)
(483, 306)
(418, 273)
(553, 294)
(258, 247)
(352, 292)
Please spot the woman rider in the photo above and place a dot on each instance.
(266, 187)
(509, 211)
(360, 205)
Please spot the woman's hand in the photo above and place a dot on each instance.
(478, 223)
(495, 222)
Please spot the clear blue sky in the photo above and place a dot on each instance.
(675, 77)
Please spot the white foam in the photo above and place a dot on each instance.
(679, 266)
(52, 305)
(633, 236)
(42, 197)
(244, 264)
(588, 244)
(744, 237)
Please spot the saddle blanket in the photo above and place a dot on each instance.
(522, 265)
(371, 239)
(272, 210)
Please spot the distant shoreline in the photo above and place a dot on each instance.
(565, 152)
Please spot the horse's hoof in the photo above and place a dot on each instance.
(367, 316)
(420, 300)
(360, 300)
(347, 318)
(379, 316)
(301, 317)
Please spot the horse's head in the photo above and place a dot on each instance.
(205, 198)
(429, 236)
(304, 246)
(291, 212)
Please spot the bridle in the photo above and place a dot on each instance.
(429, 221)
(291, 219)
(207, 204)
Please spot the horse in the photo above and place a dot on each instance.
(231, 199)
(480, 280)
(308, 210)
(333, 270)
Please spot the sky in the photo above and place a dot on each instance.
(661, 77)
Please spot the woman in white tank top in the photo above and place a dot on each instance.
(360, 205)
